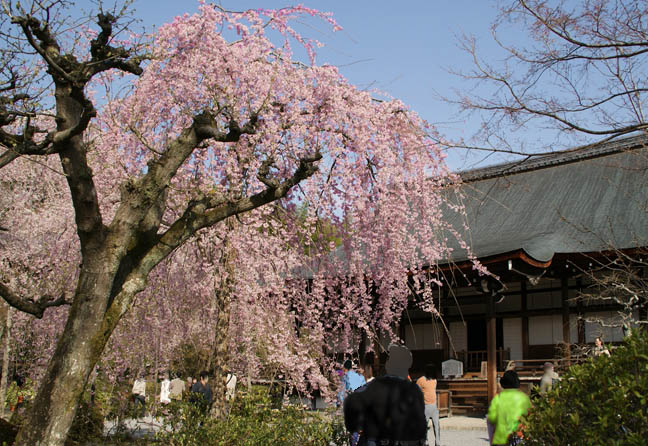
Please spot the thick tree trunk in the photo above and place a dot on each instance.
(78, 349)
(6, 337)
(4, 310)
(220, 357)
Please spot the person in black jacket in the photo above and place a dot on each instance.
(388, 409)
(201, 393)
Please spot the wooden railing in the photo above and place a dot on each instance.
(534, 367)
(472, 359)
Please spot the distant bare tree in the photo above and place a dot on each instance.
(619, 278)
(580, 73)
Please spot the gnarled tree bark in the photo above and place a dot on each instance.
(220, 356)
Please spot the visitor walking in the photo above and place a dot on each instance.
(352, 379)
(176, 388)
(428, 385)
(389, 410)
(201, 393)
(165, 389)
(139, 393)
(549, 378)
(506, 408)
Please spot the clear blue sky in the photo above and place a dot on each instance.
(402, 48)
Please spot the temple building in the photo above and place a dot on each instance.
(557, 231)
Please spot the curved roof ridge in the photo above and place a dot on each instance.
(550, 159)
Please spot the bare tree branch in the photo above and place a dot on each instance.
(32, 306)
(66, 71)
(580, 74)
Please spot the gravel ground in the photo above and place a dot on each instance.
(464, 430)
(464, 437)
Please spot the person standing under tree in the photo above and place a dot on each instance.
(428, 384)
(230, 386)
(176, 388)
(368, 372)
(188, 386)
(139, 393)
(165, 389)
(352, 379)
(389, 410)
(201, 393)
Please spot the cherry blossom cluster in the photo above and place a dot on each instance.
(338, 257)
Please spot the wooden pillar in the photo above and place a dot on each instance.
(525, 320)
(581, 311)
(564, 292)
(491, 336)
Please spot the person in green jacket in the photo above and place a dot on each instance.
(506, 408)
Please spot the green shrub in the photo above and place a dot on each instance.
(603, 401)
(252, 422)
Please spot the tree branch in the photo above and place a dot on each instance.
(200, 213)
(18, 145)
(207, 127)
(31, 306)
(32, 27)
(263, 174)
(137, 198)
(207, 211)
(521, 105)
(565, 36)
(143, 202)
(106, 57)
(88, 112)
(580, 73)
(7, 157)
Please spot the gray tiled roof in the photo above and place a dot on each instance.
(582, 200)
